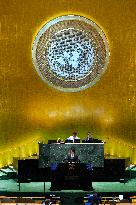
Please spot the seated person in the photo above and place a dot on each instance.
(60, 140)
(94, 199)
(72, 157)
(89, 137)
(73, 137)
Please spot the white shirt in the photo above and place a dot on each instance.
(73, 137)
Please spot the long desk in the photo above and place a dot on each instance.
(87, 153)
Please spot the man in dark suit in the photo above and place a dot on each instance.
(89, 137)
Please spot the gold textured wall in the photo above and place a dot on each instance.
(30, 110)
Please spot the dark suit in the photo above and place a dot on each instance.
(89, 139)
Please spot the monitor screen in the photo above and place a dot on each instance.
(52, 141)
(77, 140)
(68, 141)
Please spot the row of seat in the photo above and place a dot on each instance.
(113, 200)
(29, 200)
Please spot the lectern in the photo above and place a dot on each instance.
(71, 176)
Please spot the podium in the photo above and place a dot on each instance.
(71, 176)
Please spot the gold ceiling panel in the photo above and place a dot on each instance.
(31, 110)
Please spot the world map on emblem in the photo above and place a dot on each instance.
(70, 53)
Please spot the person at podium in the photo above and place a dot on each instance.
(72, 157)
(73, 137)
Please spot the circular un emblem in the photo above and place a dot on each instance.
(70, 53)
